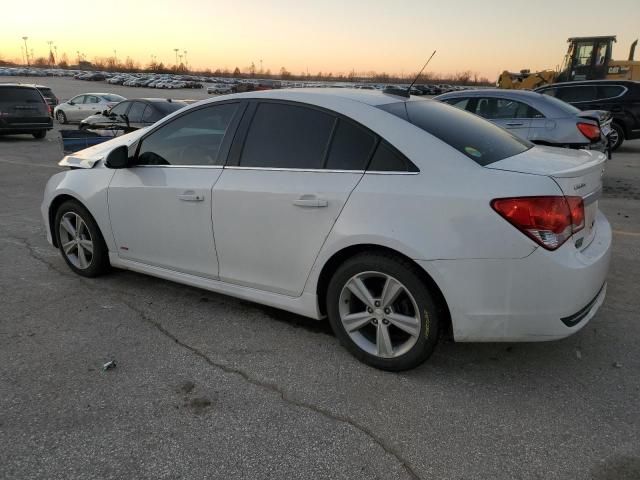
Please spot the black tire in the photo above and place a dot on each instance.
(40, 134)
(61, 117)
(98, 263)
(430, 318)
(619, 136)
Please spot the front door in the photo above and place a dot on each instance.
(160, 208)
(274, 208)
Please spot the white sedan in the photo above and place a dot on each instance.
(81, 106)
(398, 219)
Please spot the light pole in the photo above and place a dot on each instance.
(176, 50)
(186, 62)
(55, 49)
(115, 57)
(26, 49)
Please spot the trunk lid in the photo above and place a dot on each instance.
(22, 105)
(576, 172)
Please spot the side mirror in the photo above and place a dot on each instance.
(105, 113)
(71, 103)
(118, 157)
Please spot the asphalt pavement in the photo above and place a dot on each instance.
(207, 386)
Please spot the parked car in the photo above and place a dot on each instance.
(130, 115)
(23, 109)
(542, 119)
(81, 106)
(620, 97)
(399, 219)
(49, 97)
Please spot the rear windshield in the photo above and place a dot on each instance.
(113, 97)
(562, 105)
(478, 139)
(20, 94)
(168, 107)
(46, 92)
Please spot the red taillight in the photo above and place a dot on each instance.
(549, 221)
(592, 132)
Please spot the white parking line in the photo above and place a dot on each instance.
(629, 234)
(29, 164)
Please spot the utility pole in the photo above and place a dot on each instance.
(26, 49)
(51, 59)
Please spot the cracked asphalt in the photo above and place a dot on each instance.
(207, 386)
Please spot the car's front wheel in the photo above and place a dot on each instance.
(61, 117)
(80, 241)
(382, 312)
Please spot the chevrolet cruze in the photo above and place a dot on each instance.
(398, 219)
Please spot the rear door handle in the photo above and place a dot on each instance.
(514, 124)
(190, 196)
(310, 201)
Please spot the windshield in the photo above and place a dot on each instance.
(112, 97)
(476, 138)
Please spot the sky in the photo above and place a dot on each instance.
(395, 36)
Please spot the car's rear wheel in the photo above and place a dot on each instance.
(61, 117)
(616, 137)
(80, 241)
(382, 311)
(40, 134)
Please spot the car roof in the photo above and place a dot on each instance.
(23, 85)
(515, 94)
(373, 98)
(590, 82)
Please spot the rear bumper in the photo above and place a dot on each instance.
(545, 296)
(9, 126)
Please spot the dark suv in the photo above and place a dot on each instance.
(23, 109)
(620, 97)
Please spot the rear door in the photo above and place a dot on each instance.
(506, 113)
(291, 171)
(22, 107)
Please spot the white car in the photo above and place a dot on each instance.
(398, 219)
(82, 106)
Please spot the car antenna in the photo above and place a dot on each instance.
(420, 73)
(401, 92)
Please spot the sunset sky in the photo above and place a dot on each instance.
(395, 36)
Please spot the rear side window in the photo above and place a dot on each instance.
(21, 95)
(351, 147)
(460, 103)
(502, 108)
(478, 139)
(387, 159)
(287, 136)
(609, 91)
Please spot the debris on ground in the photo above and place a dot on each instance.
(617, 365)
(111, 364)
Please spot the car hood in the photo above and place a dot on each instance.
(89, 157)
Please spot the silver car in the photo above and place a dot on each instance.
(82, 106)
(541, 119)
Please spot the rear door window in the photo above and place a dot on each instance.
(287, 136)
(585, 93)
(461, 103)
(502, 109)
(476, 138)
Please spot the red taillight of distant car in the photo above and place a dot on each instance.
(592, 132)
(549, 221)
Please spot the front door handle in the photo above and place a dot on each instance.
(514, 124)
(190, 196)
(310, 201)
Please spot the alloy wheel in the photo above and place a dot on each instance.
(76, 240)
(379, 314)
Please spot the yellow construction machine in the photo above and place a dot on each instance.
(588, 58)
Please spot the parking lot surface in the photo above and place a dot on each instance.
(207, 386)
